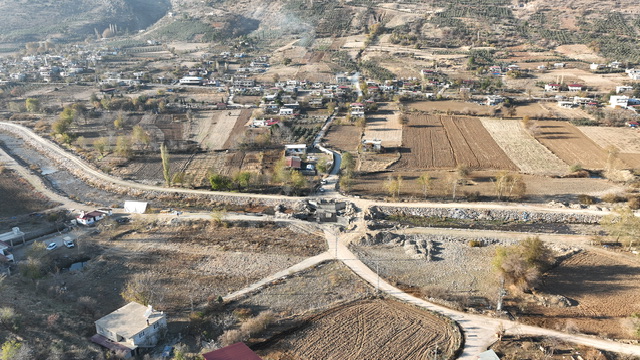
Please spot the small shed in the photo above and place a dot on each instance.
(135, 207)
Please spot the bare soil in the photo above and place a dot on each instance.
(570, 144)
(384, 125)
(344, 137)
(603, 289)
(441, 142)
(369, 329)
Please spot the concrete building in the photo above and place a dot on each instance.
(129, 328)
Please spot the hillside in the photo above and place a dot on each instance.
(74, 19)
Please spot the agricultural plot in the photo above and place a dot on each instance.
(440, 142)
(603, 289)
(523, 149)
(373, 329)
(385, 125)
(625, 140)
(216, 137)
(452, 105)
(344, 137)
(570, 144)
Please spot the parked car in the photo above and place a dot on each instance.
(68, 242)
(52, 246)
(123, 220)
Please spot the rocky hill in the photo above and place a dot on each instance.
(34, 20)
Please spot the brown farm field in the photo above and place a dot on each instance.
(344, 137)
(441, 142)
(369, 329)
(384, 125)
(604, 289)
(570, 144)
(625, 140)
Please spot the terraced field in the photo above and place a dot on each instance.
(523, 149)
(373, 330)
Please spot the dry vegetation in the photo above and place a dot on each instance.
(344, 137)
(523, 149)
(570, 144)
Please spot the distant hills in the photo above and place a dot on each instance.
(34, 20)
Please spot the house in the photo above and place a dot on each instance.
(357, 109)
(494, 100)
(90, 218)
(552, 87)
(342, 79)
(5, 255)
(625, 88)
(12, 235)
(129, 328)
(237, 351)
(295, 150)
(488, 355)
(566, 104)
(619, 101)
(559, 65)
(372, 145)
(294, 162)
(286, 111)
(191, 80)
(574, 87)
(595, 66)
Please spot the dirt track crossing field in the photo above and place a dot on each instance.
(372, 330)
(570, 144)
(524, 150)
(441, 142)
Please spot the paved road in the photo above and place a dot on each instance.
(479, 330)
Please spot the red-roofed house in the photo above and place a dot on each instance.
(237, 351)
(90, 218)
(574, 87)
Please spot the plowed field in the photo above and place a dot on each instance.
(605, 288)
(441, 142)
(371, 330)
(344, 137)
(18, 197)
(571, 145)
(524, 150)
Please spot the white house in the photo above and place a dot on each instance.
(624, 88)
(494, 100)
(191, 80)
(372, 145)
(552, 87)
(619, 101)
(90, 218)
(129, 328)
(295, 150)
(574, 87)
(357, 109)
(286, 111)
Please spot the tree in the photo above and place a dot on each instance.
(393, 185)
(509, 185)
(298, 181)
(219, 182)
(32, 105)
(123, 147)
(145, 288)
(242, 179)
(521, 265)
(166, 165)
(140, 136)
(118, 123)
(425, 181)
(622, 225)
(8, 317)
(101, 145)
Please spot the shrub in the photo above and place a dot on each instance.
(585, 199)
(242, 313)
(634, 202)
(231, 337)
(575, 168)
(613, 198)
(257, 324)
(475, 243)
